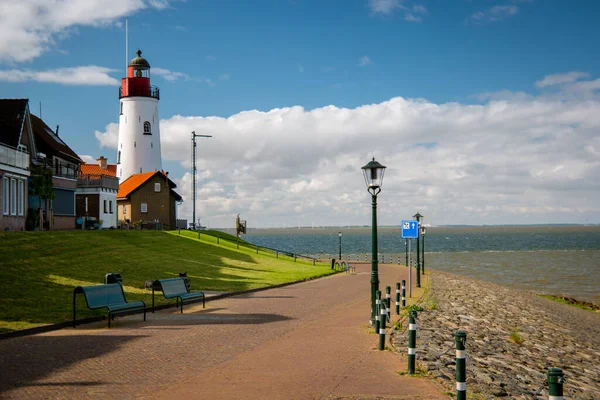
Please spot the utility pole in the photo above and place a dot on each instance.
(194, 136)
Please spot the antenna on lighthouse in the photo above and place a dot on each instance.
(126, 44)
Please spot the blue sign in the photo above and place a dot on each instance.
(410, 229)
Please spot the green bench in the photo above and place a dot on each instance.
(109, 296)
(176, 288)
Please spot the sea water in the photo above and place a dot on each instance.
(559, 260)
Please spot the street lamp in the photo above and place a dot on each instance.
(419, 218)
(373, 173)
(423, 230)
(340, 235)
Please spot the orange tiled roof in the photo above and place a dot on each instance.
(94, 169)
(133, 182)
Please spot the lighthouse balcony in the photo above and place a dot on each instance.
(143, 90)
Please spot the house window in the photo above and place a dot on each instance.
(86, 204)
(5, 196)
(121, 113)
(13, 196)
(147, 128)
(157, 187)
(144, 207)
(119, 157)
(105, 206)
(21, 207)
(124, 208)
(110, 207)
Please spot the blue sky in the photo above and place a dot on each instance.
(223, 58)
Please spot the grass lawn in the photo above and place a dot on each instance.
(39, 270)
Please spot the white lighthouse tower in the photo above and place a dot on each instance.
(139, 134)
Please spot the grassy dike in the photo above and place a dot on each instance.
(39, 270)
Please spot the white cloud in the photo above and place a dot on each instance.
(364, 61)
(557, 79)
(519, 159)
(386, 7)
(493, 14)
(87, 158)
(29, 28)
(169, 75)
(91, 75)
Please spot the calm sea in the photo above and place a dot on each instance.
(560, 260)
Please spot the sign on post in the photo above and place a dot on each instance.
(410, 229)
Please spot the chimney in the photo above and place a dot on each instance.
(56, 130)
(102, 162)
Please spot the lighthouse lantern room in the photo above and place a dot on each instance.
(139, 135)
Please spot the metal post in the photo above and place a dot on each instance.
(377, 307)
(198, 235)
(388, 298)
(409, 268)
(555, 378)
(398, 298)
(460, 339)
(403, 293)
(382, 318)
(412, 340)
(256, 249)
(194, 169)
(418, 259)
(340, 235)
(423, 256)
(374, 262)
(406, 251)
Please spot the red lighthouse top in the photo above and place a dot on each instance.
(137, 82)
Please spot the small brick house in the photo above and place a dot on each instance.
(96, 196)
(148, 197)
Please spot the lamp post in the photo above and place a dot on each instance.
(423, 230)
(418, 217)
(373, 173)
(340, 235)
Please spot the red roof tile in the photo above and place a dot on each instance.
(133, 182)
(94, 169)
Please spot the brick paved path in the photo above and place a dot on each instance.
(306, 341)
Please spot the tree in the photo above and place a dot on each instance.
(41, 184)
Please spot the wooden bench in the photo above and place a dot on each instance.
(109, 296)
(176, 288)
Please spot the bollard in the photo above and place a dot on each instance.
(357, 257)
(397, 298)
(366, 257)
(398, 260)
(460, 339)
(388, 299)
(382, 318)
(294, 258)
(412, 341)
(403, 293)
(556, 378)
(198, 235)
(217, 240)
(377, 308)
(179, 231)
(256, 249)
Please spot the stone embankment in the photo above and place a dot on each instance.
(513, 338)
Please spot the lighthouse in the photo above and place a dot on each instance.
(139, 134)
